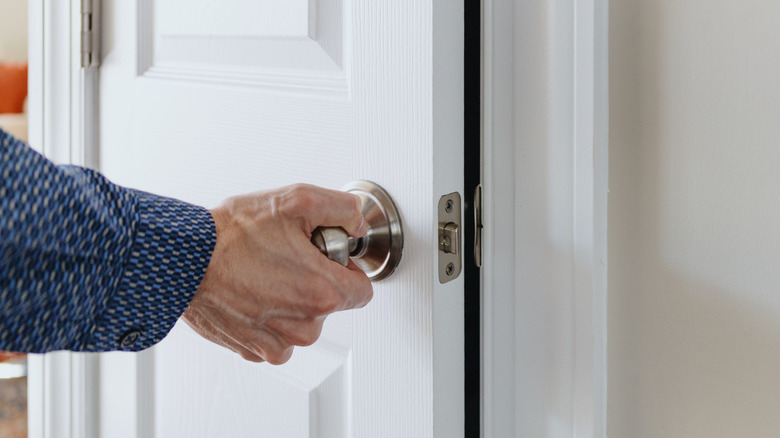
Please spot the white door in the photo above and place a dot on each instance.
(200, 100)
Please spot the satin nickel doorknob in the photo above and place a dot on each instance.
(379, 251)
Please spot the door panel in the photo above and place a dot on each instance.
(201, 100)
(310, 391)
(271, 41)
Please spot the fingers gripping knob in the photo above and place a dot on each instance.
(334, 243)
(379, 251)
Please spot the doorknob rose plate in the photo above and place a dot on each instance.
(379, 252)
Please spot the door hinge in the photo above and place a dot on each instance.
(90, 33)
(478, 225)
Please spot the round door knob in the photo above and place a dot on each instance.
(334, 243)
(379, 251)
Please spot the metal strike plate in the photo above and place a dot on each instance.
(449, 234)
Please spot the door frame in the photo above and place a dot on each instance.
(545, 180)
(554, 58)
(61, 108)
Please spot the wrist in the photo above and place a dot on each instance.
(219, 216)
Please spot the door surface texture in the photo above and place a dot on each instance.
(201, 100)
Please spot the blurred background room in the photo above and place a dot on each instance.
(13, 67)
(13, 119)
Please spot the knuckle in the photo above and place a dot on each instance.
(357, 205)
(320, 294)
(296, 188)
(368, 295)
(361, 291)
(305, 339)
(296, 200)
(358, 210)
(251, 357)
(308, 340)
(327, 302)
(279, 357)
(310, 334)
(302, 196)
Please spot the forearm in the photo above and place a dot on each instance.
(88, 265)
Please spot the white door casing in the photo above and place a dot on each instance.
(545, 117)
(201, 100)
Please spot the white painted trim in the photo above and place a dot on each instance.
(545, 184)
(591, 113)
(144, 393)
(60, 385)
(35, 26)
(498, 340)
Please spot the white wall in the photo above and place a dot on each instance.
(13, 30)
(694, 219)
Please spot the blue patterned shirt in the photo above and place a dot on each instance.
(86, 265)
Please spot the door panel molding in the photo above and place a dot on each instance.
(309, 53)
(320, 83)
(318, 397)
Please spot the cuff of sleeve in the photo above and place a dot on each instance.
(169, 256)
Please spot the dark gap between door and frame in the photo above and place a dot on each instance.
(472, 178)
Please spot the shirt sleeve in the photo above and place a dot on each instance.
(86, 265)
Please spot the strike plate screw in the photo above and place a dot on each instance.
(450, 269)
(448, 207)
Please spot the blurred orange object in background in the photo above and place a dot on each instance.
(13, 87)
(6, 356)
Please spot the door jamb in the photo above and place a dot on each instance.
(61, 105)
(545, 138)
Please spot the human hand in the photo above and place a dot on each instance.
(267, 288)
